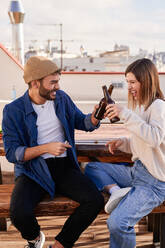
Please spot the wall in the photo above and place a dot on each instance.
(83, 87)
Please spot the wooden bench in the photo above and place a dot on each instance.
(59, 206)
(62, 206)
(87, 151)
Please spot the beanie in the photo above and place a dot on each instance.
(38, 67)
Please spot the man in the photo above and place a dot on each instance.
(38, 134)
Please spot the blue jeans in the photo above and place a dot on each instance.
(147, 192)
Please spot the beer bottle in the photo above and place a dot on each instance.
(109, 101)
(99, 114)
(110, 89)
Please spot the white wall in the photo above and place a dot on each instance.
(10, 74)
(83, 87)
(89, 86)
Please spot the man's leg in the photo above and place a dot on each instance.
(79, 188)
(73, 184)
(26, 195)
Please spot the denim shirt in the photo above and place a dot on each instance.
(20, 131)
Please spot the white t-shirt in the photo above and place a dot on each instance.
(49, 126)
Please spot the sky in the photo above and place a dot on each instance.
(95, 24)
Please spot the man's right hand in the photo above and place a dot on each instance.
(54, 148)
(57, 148)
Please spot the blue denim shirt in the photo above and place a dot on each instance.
(20, 131)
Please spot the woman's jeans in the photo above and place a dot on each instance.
(147, 192)
(70, 182)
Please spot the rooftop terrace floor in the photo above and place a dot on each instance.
(96, 235)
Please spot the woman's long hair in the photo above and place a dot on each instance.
(147, 75)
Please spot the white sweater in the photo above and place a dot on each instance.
(147, 140)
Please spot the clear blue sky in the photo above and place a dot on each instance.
(95, 24)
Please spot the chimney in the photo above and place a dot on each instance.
(16, 15)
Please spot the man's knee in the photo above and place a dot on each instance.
(96, 201)
(100, 201)
(20, 214)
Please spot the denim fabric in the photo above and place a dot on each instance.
(105, 173)
(20, 131)
(147, 192)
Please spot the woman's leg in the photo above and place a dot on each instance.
(103, 174)
(110, 177)
(147, 192)
(26, 195)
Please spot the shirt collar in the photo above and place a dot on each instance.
(28, 104)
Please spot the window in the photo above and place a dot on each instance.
(118, 84)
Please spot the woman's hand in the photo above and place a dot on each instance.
(113, 110)
(114, 145)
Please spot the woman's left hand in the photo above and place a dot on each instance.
(113, 110)
(114, 145)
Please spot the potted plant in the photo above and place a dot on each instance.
(0, 132)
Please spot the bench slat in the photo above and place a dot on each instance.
(59, 206)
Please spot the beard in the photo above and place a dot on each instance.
(46, 94)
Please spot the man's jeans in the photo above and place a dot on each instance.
(70, 182)
(147, 192)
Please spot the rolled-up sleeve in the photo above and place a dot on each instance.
(14, 148)
(88, 124)
(19, 154)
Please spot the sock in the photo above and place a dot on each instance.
(34, 240)
(31, 241)
(114, 188)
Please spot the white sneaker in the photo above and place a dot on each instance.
(38, 244)
(115, 198)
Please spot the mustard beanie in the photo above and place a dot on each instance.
(38, 67)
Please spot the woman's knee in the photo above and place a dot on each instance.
(115, 223)
(94, 171)
(91, 167)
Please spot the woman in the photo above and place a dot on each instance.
(135, 190)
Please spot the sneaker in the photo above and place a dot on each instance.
(115, 198)
(38, 244)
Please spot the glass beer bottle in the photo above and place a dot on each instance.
(101, 109)
(109, 101)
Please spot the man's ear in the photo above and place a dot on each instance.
(35, 84)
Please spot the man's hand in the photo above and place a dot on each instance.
(57, 148)
(54, 148)
(93, 119)
(114, 144)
